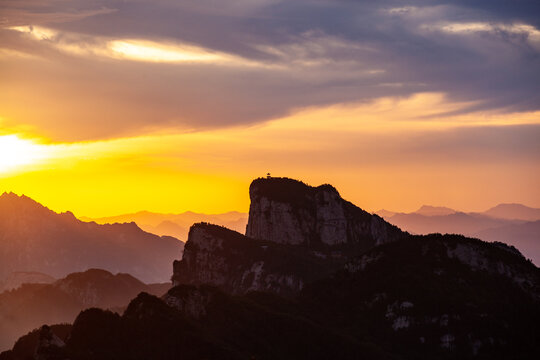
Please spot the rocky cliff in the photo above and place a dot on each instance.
(287, 211)
(239, 264)
(296, 234)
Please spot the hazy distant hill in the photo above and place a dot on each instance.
(457, 223)
(34, 238)
(429, 210)
(33, 305)
(514, 211)
(176, 225)
(508, 223)
(17, 278)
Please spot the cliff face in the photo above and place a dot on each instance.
(296, 234)
(288, 211)
(238, 264)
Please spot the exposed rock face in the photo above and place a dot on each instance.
(288, 211)
(296, 234)
(49, 345)
(237, 264)
(189, 300)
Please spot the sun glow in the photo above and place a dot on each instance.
(16, 152)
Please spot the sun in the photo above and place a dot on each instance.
(16, 153)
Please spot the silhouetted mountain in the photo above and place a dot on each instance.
(34, 238)
(457, 223)
(17, 278)
(167, 228)
(176, 225)
(514, 212)
(368, 291)
(26, 348)
(32, 305)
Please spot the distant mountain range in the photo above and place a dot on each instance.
(176, 225)
(32, 305)
(16, 279)
(514, 224)
(36, 239)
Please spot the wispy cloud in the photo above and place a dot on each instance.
(124, 68)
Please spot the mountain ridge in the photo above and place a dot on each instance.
(35, 238)
(31, 305)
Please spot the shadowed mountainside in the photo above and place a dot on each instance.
(34, 238)
(32, 305)
(443, 297)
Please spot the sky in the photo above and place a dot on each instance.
(109, 107)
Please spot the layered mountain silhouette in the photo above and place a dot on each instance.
(318, 278)
(514, 224)
(514, 212)
(176, 225)
(36, 239)
(31, 304)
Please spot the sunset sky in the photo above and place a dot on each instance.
(108, 107)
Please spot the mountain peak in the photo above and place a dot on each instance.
(429, 210)
(11, 202)
(11, 196)
(514, 211)
(285, 189)
(311, 216)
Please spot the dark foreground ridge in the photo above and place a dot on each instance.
(31, 305)
(408, 297)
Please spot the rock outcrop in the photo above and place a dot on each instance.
(50, 346)
(296, 234)
(287, 211)
(238, 264)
